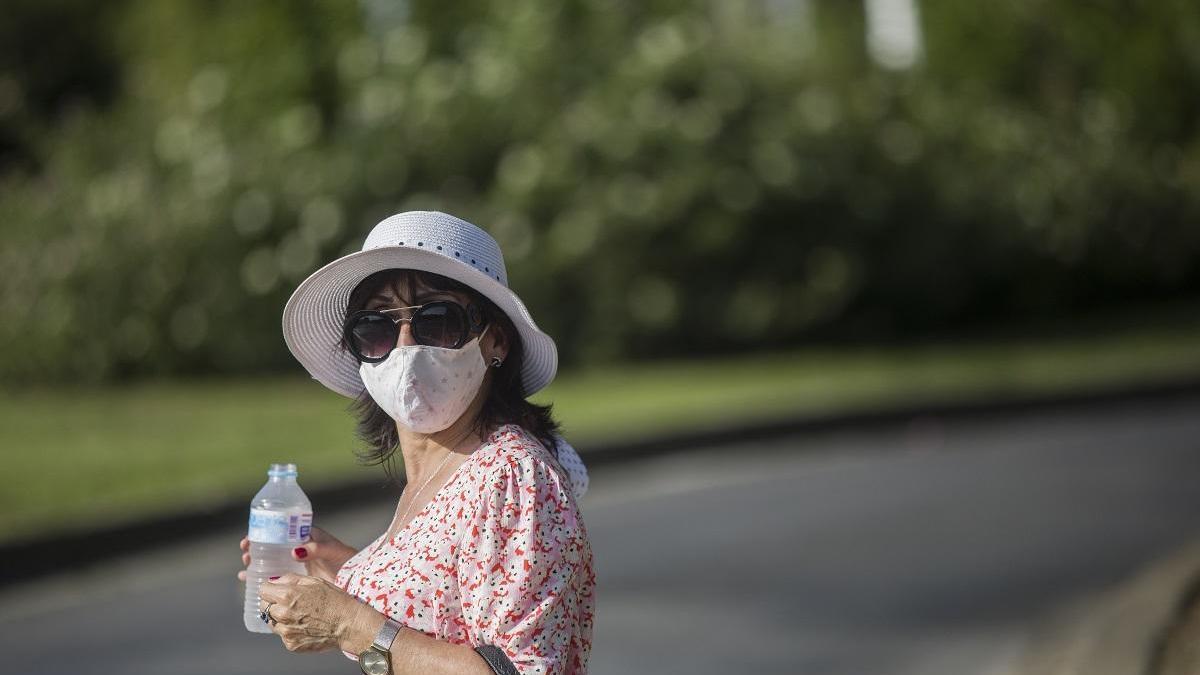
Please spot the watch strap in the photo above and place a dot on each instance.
(387, 634)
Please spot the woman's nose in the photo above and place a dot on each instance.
(405, 339)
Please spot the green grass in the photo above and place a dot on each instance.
(74, 459)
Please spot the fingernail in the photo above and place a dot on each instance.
(272, 578)
(301, 552)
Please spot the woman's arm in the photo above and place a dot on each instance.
(414, 652)
(313, 615)
(524, 571)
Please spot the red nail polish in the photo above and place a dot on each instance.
(272, 578)
(301, 552)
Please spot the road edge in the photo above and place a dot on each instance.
(1119, 631)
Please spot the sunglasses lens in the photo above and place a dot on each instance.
(373, 336)
(440, 325)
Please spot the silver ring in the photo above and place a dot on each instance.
(265, 614)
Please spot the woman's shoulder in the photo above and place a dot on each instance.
(512, 455)
(511, 446)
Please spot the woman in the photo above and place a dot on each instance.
(486, 567)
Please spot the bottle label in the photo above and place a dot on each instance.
(274, 527)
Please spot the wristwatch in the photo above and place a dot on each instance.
(377, 659)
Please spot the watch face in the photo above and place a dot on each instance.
(373, 663)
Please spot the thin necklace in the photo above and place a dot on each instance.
(427, 481)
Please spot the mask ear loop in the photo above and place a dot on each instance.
(496, 361)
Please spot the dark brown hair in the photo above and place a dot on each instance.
(505, 403)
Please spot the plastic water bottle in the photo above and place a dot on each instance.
(280, 520)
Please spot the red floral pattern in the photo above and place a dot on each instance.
(499, 556)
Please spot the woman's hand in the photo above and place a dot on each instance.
(313, 615)
(323, 555)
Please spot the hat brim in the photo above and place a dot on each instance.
(313, 316)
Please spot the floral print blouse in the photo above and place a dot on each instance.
(499, 556)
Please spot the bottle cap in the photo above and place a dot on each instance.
(282, 471)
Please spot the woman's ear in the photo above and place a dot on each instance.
(497, 342)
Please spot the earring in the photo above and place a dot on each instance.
(496, 362)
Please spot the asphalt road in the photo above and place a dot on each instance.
(936, 547)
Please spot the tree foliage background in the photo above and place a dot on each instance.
(664, 177)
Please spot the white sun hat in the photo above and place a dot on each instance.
(430, 241)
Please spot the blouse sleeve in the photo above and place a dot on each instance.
(519, 555)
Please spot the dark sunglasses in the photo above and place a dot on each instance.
(372, 334)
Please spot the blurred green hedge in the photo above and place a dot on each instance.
(662, 176)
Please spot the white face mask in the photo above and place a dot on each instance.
(426, 388)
